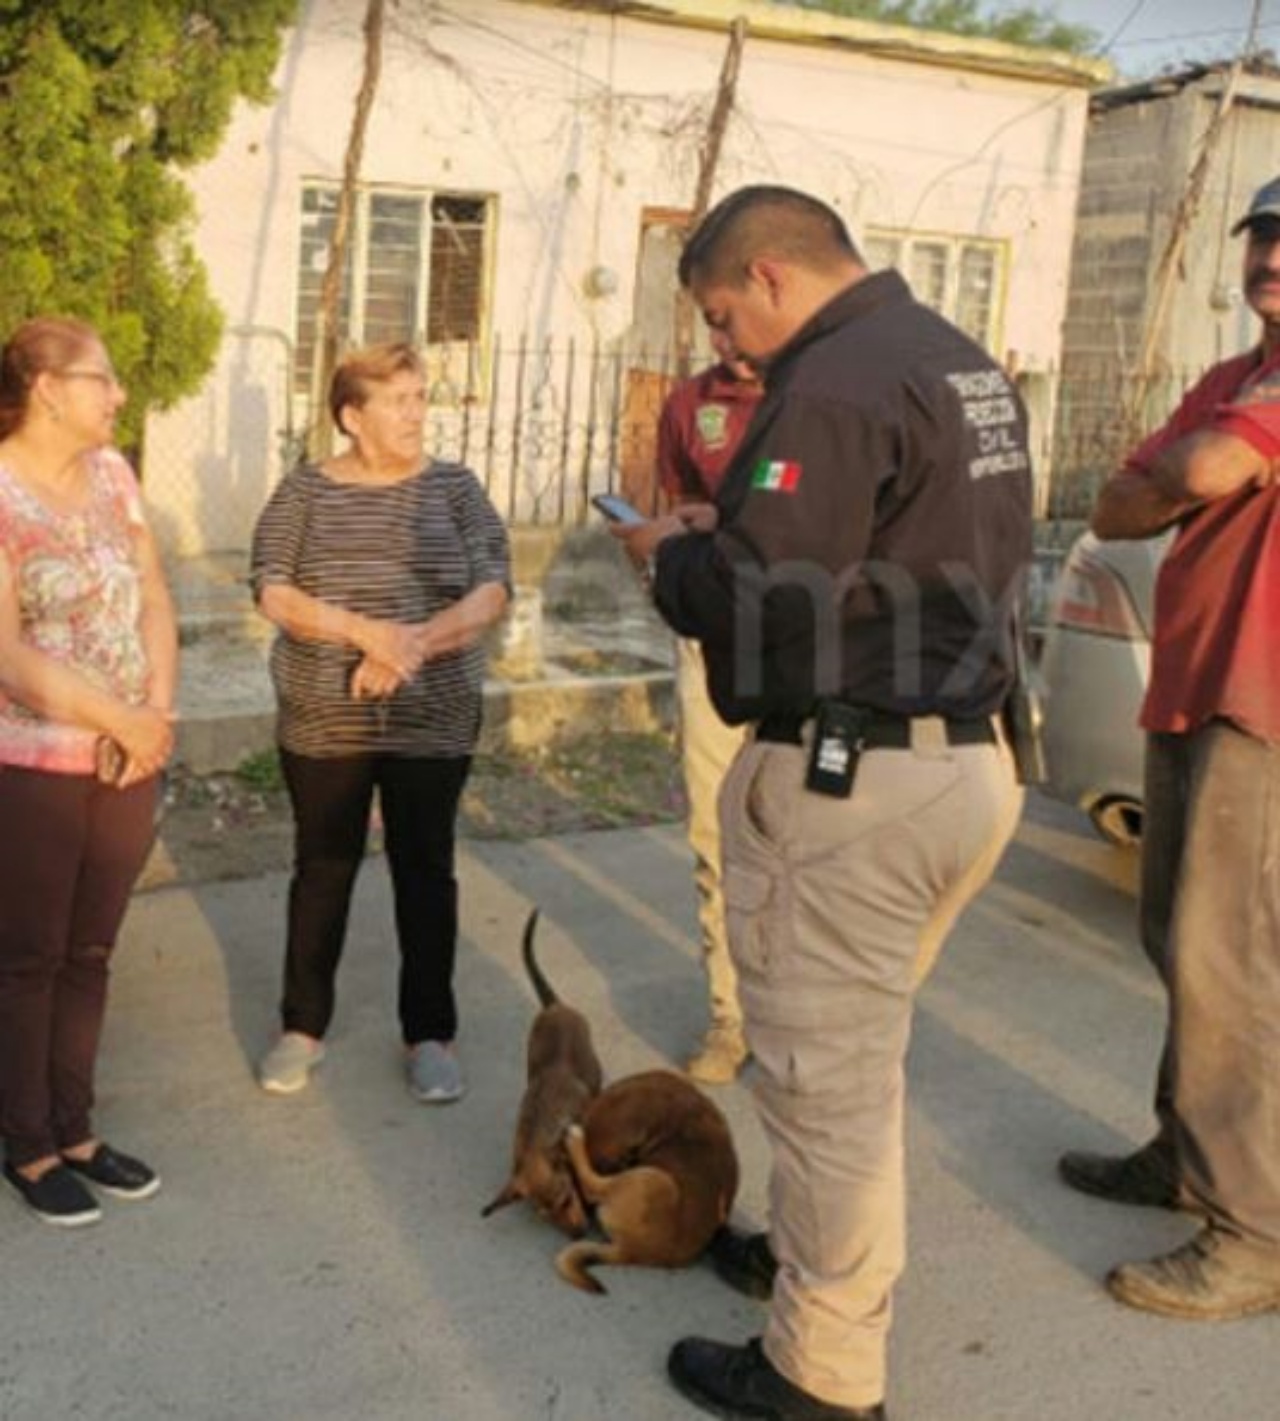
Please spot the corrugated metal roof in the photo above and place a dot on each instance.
(1262, 84)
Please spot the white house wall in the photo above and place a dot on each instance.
(577, 121)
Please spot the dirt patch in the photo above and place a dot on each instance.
(238, 825)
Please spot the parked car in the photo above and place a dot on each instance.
(1094, 668)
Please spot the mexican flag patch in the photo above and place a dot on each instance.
(776, 475)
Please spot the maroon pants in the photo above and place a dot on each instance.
(70, 851)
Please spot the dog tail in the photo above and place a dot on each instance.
(510, 1193)
(546, 994)
(573, 1262)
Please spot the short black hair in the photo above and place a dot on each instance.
(765, 220)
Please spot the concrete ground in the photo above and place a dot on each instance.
(323, 1256)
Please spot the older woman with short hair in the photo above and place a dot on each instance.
(88, 657)
(382, 568)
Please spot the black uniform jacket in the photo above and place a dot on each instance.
(875, 524)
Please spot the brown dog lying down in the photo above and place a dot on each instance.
(564, 1076)
(656, 1159)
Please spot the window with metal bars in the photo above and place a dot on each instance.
(417, 269)
(962, 278)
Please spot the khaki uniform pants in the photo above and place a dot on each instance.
(836, 911)
(707, 747)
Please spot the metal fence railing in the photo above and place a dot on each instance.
(1099, 414)
(545, 424)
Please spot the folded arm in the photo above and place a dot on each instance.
(1210, 465)
(1132, 505)
(456, 627)
(393, 644)
(1197, 469)
(464, 622)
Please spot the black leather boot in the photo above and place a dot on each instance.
(741, 1381)
(745, 1261)
(1147, 1177)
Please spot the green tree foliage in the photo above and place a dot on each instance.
(101, 102)
(1022, 24)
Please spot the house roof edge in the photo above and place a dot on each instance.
(794, 25)
(1260, 83)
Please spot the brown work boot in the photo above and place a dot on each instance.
(721, 1055)
(1211, 1278)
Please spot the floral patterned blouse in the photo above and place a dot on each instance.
(80, 601)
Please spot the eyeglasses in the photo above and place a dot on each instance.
(108, 379)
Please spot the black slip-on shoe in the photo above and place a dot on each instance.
(1211, 1278)
(745, 1261)
(114, 1173)
(1146, 1177)
(57, 1197)
(741, 1381)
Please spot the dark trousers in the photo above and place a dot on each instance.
(1211, 927)
(331, 800)
(70, 852)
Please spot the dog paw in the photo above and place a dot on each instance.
(573, 1131)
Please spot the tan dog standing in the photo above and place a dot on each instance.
(563, 1077)
(656, 1159)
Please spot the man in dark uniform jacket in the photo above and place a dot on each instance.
(852, 588)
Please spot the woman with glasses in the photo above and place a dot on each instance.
(382, 567)
(88, 658)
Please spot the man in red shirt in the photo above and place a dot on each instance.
(1210, 911)
(702, 424)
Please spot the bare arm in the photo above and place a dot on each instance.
(455, 627)
(159, 623)
(465, 622)
(392, 651)
(1133, 506)
(1198, 469)
(60, 693)
(1208, 466)
(308, 618)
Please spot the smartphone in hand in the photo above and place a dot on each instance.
(617, 510)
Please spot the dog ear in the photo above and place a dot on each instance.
(512, 1192)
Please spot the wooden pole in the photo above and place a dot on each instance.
(325, 355)
(1170, 266)
(708, 162)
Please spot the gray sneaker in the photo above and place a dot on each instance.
(284, 1070)
(435, 1074)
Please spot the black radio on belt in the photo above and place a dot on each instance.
(839, 731)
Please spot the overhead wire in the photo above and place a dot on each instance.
(664, 97)
(1178, 35)
(587, 81)
(1112, 40)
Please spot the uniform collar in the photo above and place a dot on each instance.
(719, 382)
(857, 301)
